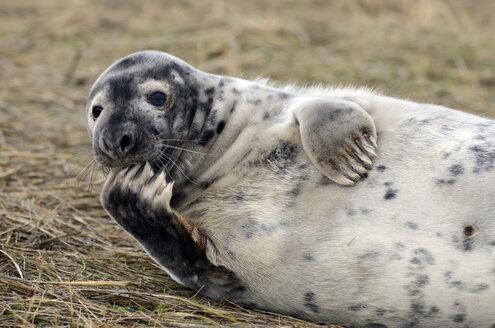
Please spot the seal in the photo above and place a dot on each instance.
(271, 195)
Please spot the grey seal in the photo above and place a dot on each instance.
(277, 197)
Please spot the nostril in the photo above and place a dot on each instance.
(125, 142)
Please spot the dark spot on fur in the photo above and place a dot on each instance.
(387, 183)
(434, 309)
(422, 280)
(456, 169)
(309, 298)
(467, 244)
(296, 190)
(240, 289)
(336, 114)
(357, 307)
(416, 286)
(351, 212)
(365, 210)
(381, 168)
(249, 228)
(412, 225)
(307, 257)
(461, 317)
(253, 227)
(232, 109)
(380, 312)
(266, 115)
(467, 239)
(426, 256)
(283, 154)
(460, 285)
(220, 126)
(390, 193)
(418, 308)
(484, 158)
(206, 137)
(324, 181)
(209, 91)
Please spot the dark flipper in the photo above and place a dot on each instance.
(139, 201)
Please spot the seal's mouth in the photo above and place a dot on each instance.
(109, 164)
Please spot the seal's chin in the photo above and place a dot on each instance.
(115, 167)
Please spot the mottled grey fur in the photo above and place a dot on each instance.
(252, 216)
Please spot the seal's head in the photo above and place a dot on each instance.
(140, 106)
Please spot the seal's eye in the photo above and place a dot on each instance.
(96, 111)
(157, 99)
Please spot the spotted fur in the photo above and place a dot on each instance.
(252, 215)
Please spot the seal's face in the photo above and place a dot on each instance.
(141, 109)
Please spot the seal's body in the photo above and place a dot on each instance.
(254, 209)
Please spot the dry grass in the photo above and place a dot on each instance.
(62, 261)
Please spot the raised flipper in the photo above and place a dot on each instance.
(139, 200)
(339, 137)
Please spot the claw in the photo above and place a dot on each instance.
(129, 169)
(350, 172)
(370, 149)
(357, 153)
(370, 139)
(129, 172)
(358, 143)
(164, 196)
(341, 177)
(154, 177)
(360, 164)
(139, 171)
(356, 164)
(147, 171)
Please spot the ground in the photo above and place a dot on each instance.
(63, 262)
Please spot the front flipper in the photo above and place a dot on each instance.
(139, 201)
(339, 137)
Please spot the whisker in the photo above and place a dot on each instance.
(180, 170)
(160, 162)
(83, 171)
(92, 176)
(179, 140)
(184, 149)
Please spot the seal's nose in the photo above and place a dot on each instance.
(125, 142)
(116, 147)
